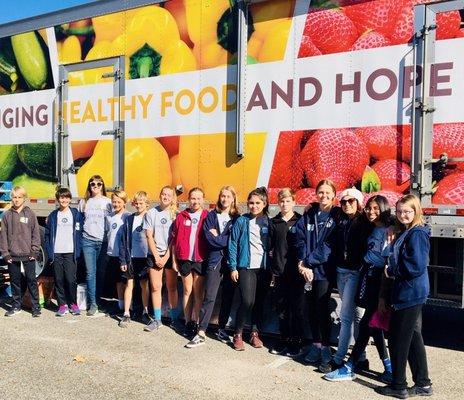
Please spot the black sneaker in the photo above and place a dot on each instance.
(124, 322)
(198, 340)
(279, 348)
(391, 392)
(153, 326)
(362, 365)
(191, 329)
(420, 391)
(177, 325)
(293, 351)
(146, 319)
(36, 313)
(12, 312)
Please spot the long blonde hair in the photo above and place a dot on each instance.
(233, 207)
(412, 201)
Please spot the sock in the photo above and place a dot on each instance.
(145, 310)
(157, 314)
(387, 364)
(121, 304)
(174, 313)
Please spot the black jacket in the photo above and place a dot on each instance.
(283, 244)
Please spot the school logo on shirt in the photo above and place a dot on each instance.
(114, 225)
(163, 221)
(224, 223)
(310, 227)
(329, 223)
(194, 221)
(139, 228)
(64, 220)
(292, 229)
(264, 230)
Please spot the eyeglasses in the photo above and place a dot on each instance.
(369, 209)
(405, 212)
(96, 184)
(349, 201)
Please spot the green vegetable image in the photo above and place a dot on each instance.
(8, 72)
(36, 188)
(38, 159)
(8, 161)
(31, 59)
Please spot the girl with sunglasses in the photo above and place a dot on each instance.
(313, 232)
(95, 207)
(349, 243)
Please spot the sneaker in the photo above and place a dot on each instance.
(420, 391)
(222, 336)
(125, 321)
(154, 325)
(75, 310)
(293, 351)
(255, 341)
(341, 374)
(36, 312)
(362, 365)
(314, 355)
(62, 311)
(12, 312)
(326, 358)
(177, 325)
(391, 392)
(191, 329)
(146, 319)
(279, 348)
(198, 340)
(386, 377)
(237, 341)
(92, 310)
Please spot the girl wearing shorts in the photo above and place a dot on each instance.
(133, 257)
(249, 246)
(190, 252)
(158, 229)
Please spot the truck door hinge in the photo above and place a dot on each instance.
(114, 132)
(63, 82)
(71, 170)
(424, 108)
(425, 31)
(116, 74)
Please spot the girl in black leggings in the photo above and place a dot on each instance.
(249, 265)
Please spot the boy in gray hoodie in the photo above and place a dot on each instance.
(20, 243)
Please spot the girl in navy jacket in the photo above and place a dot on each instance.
(63, 233)
(249, 246)
(217, 227)
(408, 262)
(314, 264)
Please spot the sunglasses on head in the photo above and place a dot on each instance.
(96, 184)
(349, 201)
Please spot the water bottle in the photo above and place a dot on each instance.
(308, 286)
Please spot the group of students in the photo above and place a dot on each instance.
(378, 264)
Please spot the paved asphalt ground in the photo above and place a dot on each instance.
(92, 358)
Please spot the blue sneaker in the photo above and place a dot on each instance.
(314, 355)
(342, 374)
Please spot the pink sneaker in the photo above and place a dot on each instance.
(62, 311)
(75, 309)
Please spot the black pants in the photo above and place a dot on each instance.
(319, 312)
(406, 345)
(227, 298)
(65, 269)
(253, 285)
(290, 298)
(14, 269)
(365, 332)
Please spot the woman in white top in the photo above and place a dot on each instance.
(95, 206)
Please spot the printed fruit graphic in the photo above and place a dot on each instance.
(370, 40)
(394, 175)
(331, 31)
(286, 169)
(36, 188)
(337, 154)
(210, 162)
(38, 158)
(274, 46)
(308, 48)
(272, 195)
(146, 166)
(306, 196)
(449, 139)
(83, 148)
(448, 25)
(450, 190)
(170, 144)
(392, 197)
(8, 160)
(379, 15)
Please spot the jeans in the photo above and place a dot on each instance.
(64, 269)
(350, 315)
(95, 257)
(406, 345)
(213, 279)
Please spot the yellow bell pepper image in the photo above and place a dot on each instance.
(108, 27)
(209, 161)
(146, 165)
(273, 48)
(70, 50)
(266, 14)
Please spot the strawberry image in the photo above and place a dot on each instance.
(370, 40)
(394, 175)
(272, 195)
(378, 15)
(308, 48)
(392, 197)
(331, 31)
(286, 169)
(386, 142)
(450, 190)
(337, 154)
(350, 2)
(404, 142)
(448, 25)
(449, 139)
(306, 196)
